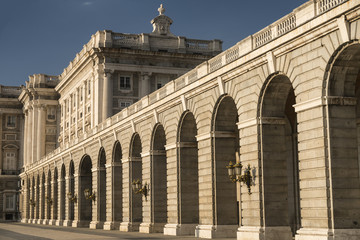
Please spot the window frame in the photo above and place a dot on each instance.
(130, 82)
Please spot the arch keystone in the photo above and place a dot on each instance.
(344, 29)
(184, 102)
(221, 85)
(271, 62)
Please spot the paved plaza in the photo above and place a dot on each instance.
(20, 231)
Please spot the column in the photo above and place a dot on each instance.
(250, 205)
(107, 95)
(46, 204)
(26, 128)
(31, 207)
(125, 225)
(112, 212)
(32, 137)
(1, 146)
(83, 89)
(67, 218)
(76, 222)
(54, 205)
(25, 207)
(41, 201)
(147, 225)
(144, 84)
(69, 116)
(41, 127)
(62, 196)
(173, 226)
(97, 205)
(76, 111)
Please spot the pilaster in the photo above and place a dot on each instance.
(96, 223)
(112, 196)
(61, 198)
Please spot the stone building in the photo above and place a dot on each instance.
(11, 149)
(283, 103)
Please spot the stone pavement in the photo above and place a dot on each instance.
(20, 231)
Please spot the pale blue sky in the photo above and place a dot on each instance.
(43, 36)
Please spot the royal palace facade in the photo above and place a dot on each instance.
(138, 132)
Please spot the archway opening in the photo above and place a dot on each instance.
(55, 214)
(33, 198)
(189, 171)
(48, 196)
(117, 182)
(158, 174)
(102, 185)
(62, 193)
(280, 155)
(225, 146)
(136, 174)
(42, 197)
(344, 136)
(37, 197)
(71, 190)
(85, 183)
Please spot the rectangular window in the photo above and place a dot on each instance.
(124, 104)
(89, 88)
(11, 121)
(10, 137)
(51, 114)
(161, 81)
(125, 83)
(10, 161)
(10, 202)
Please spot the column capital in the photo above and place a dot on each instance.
(108, 72)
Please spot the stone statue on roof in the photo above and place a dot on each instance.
(161, 24)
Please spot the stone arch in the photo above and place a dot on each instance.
(187, 149)
(101, 185)
(55, 195)
(342, 80)
(71, 192)
(279, 156)
(135, 174)
(117, 183)
(62, 193)
(85, 182)
(225, 145)
(158, 178)
(48, 196)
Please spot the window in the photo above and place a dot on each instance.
(51, 114)
(89, 88)
(10, 202)
(11, 121)
(161, 81)
(10, 137)
(81, 95)
(81, 115)
(125, 83)
(124, 104)
(9, 161)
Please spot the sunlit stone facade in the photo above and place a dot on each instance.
(283, 101)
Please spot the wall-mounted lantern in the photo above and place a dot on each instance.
(71, 197)
(234, 171)
(89, 195)
(137, 187)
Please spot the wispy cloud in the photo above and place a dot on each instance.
(87, 3)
